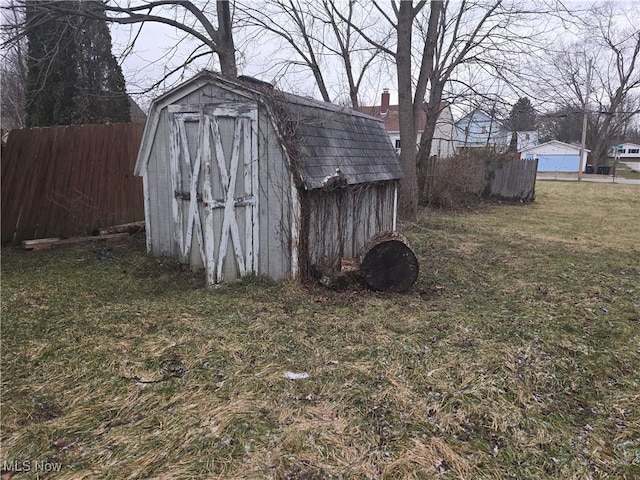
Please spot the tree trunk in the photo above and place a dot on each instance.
(408, 194)
(388, 263)
(426, 139)
(226, 49)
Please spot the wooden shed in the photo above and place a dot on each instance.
(240, 178)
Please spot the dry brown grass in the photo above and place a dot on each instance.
(514, 356)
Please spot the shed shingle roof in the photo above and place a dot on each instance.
(330, 140)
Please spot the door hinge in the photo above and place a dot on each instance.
(187, 196)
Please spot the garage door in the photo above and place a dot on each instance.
(558, 163)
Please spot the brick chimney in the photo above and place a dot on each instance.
(385, 100)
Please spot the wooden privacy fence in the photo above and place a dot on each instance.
(509, 179)
(70, 180)
(512, 180)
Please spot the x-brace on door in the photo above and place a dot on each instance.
(214, 172)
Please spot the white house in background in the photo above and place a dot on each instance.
(478, 129)
(556, 156)
(627, 151)
(444, 136)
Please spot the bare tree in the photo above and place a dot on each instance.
(292, 21)
(13, 72)
(183, 15)
(318, 32)
(610, 39)
(616, 76)
(434, 40)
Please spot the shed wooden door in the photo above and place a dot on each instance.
(214, 171)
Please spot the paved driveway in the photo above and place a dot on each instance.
(635, 166)
(569, 177)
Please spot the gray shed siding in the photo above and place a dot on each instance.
(346, 176)
(275, 202)
(274, 186)
(342, 221)
(160, 227)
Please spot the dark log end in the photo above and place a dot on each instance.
(388, 263)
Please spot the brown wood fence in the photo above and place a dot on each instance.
(70, 180)
(509, 179)
(512, 179)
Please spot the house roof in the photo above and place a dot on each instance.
(629, 144)
(137, 114)
(554, 143)
(391, 115)
(329, 141)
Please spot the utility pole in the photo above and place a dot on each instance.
(584, 121)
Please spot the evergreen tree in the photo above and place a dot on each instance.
(72, 78)
(50, 73)
(100, 94)
(523, 117)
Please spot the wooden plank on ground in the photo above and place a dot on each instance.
(39, 243)
(46, 243)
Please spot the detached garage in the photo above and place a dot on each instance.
(556, 156)
(240, 179)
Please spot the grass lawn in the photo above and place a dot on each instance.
(515, 356)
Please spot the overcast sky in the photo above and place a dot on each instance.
(160, 48)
